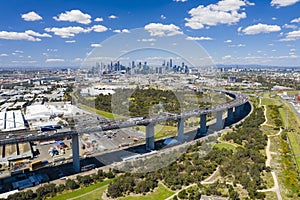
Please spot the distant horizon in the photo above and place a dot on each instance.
(219, 66)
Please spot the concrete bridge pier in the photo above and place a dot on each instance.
(75, 152)
(18, 150)
(230, 114)
(150, 137)
(203, 128)
(3, 150)
(180, 127)
(219, 120)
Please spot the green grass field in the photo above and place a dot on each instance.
(95, 195)
(225, 146)
(289, 117)
(100, 112)
(161, 193)
(81, 191)
(270, 101)
(161, 130)
(293, 123)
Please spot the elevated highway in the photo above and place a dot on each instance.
(234, 109)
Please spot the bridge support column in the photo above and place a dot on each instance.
(150, 137)
(180, 128)
(18, 150)
(203, 129)
(219, 120)
(3, 151)
(230, 114)
(75, 152)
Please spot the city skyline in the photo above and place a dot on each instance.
(52, 33)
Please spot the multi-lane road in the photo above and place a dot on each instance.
(27, 135)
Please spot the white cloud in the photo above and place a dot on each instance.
(54, 60)
(99, 19)
(237, 45)
(70, 41)
(96, 45)
(147, 40)
(112, 17)
(74, 16)
(125, 31)
(66, 32)
(283, 3)
(228, 41)
(180, 0)
(24, 61)
(274, 18)
(3, 55)
(19, 51)
(227, 57)
(291, 36)
(121, 31)
(297, 20)
(31, 16)
(260, 28)
(99, 28)
(163, 17)
(198, 38)
(78, 60)
(158, 29)
(71, 31)
(223, 12)
(289, 26)
(17, 36)
(36, 34)
(52, 50)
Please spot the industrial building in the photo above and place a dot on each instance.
(12, 120)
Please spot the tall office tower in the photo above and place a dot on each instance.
(97, 68)
(171, 63)
(118, 66)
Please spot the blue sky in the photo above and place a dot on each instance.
(62, 33)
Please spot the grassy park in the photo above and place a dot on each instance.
(159, 194)
(225, 146)
(82, 191)
(100, 112)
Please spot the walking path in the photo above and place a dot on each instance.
(186, 187)
(275, 188)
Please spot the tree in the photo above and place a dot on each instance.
(60, 188)
(71, 184)
(182, 194)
